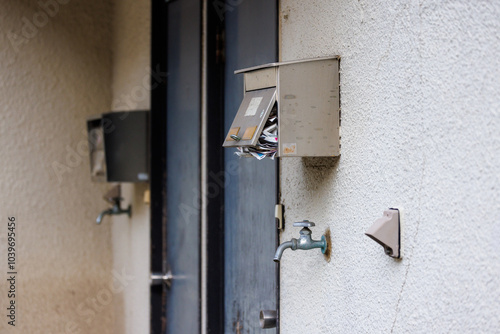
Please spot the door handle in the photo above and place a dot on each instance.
(161, 278)
(268, 318)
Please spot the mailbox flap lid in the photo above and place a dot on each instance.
(251, 118)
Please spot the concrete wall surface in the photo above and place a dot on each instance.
(131, 91)
(420, 102)
(55, 71)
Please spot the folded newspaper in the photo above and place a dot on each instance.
(267, 145)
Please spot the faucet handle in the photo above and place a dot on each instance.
(304, 223)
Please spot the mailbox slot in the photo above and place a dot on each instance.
(260, 79)
(251, 118)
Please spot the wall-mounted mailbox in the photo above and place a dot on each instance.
(290, 107)
(118, 146)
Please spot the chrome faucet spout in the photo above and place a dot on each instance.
(281, 249)
(115, 210)
(102, 214)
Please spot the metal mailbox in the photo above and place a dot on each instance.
(306, 97)
(118, 146)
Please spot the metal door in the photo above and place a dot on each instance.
(250, 194)
(250, 191)
(183, 166)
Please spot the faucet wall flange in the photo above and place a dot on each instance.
(325, 244)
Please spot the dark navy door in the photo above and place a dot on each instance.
(246, 211)
(183, 166)
(250, 195)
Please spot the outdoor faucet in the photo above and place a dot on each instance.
(113, 197)
(304, 242)
(102, 214)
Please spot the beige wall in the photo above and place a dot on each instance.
(54, 74)
(130, 90)
(420, 130)
(60, 64)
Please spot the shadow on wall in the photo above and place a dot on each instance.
(315, 170)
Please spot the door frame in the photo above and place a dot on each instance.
(212, 117)
(213, 134)
(158, 163)
(212, 99)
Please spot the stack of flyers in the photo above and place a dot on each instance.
(267, 146)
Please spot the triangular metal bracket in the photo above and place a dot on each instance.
(387, 232)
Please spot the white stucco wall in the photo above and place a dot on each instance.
(54, 73)
(420, 85)
(131, 236)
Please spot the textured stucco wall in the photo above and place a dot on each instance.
(131, 238)
(420, 85)
(54, 72)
